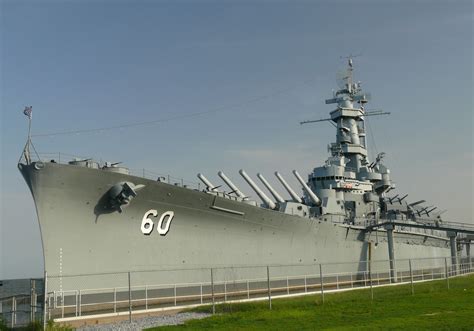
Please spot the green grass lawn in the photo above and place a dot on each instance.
(433, 307)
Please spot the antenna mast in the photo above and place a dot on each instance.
(349, 118)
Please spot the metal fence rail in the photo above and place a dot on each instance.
(20, 309)
(144, 291)
(141, 291)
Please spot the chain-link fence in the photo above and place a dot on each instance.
(21, 302)
(112, 294)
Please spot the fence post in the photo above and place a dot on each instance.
(370, 280)
(287, 285)
(32, 299)
(146, 297)
(62, 304)
(45, 298)
(269, 289)
(248, 290)
(305, 285)
(49, 305)
(80, 302)
(201, 293)
(77, 302)
(446, 271)
(411, 278)
(129, 299)
(321, 281)
(13, 312)
(174, 294)
(212, 292)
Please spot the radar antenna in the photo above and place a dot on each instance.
(375, 113)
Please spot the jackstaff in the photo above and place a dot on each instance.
(28, 111)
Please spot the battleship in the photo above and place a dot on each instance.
(98, 218)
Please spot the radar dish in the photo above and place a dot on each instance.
(343, 77)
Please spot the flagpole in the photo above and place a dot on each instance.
(28, 113)
(29, 128)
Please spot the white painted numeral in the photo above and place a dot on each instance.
(166, 217)
(147, 224)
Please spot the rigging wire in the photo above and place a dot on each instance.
(181, 116)
(371, 132)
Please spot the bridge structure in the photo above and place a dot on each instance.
(462, 233)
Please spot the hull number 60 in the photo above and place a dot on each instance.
(163, 225)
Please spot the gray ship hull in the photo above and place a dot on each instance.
(80, 237)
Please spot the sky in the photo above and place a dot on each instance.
(232, 80)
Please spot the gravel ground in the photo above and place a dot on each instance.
(145, 322)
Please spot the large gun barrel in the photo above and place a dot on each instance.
(209, 185)
(288, 188)
(314, 198)
(266, 200)
(231, 185)
(270, 188)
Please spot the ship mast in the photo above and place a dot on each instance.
(350, 137)
(349, 119)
